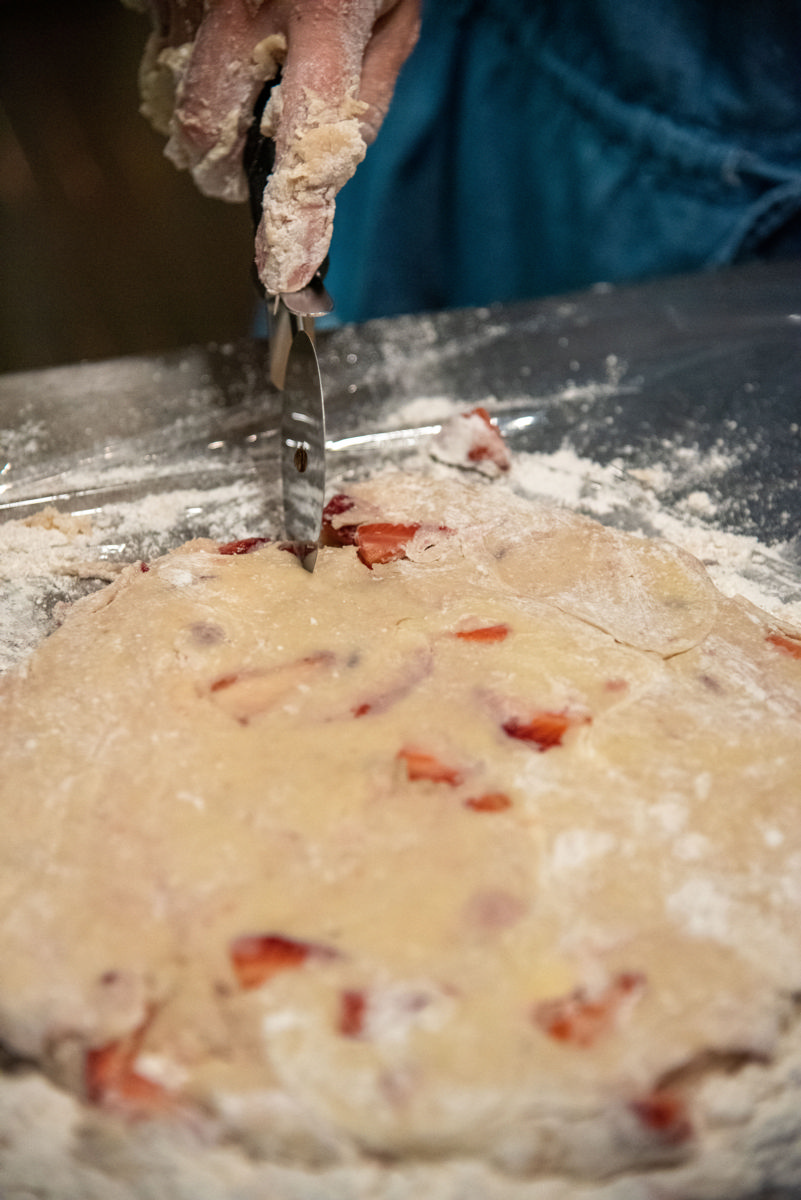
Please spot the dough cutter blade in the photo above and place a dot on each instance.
(293, 368)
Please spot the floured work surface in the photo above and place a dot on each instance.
(466, 866)
(668, 409)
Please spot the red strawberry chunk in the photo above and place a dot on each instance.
(381, 542)
(111, 1079)
(489, 802)
(472, 439)
(257, 957)
(664, 1113)
(485, 633)
(338, 505)
(243, 545)
(789, 645)
(244, 695)
(488, 443)
(352, 1013)
(421, 765)
(224, 681)
(544, 729)
(416, 668)
(338, 535)
(342, 535)
(580, 1018)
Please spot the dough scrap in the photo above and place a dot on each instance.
(474, 872)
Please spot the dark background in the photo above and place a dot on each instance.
(105, 249)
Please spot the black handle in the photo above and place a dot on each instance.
(258, 156)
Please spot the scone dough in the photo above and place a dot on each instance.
(483, 863)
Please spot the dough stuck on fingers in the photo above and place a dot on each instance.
(214, 105)
(299, 200)
(339, 78)
(200, 77)
(314, 119)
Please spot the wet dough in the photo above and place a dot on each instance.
(476, 867)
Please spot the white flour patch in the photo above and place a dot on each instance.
(575, 848)
(226, 511)
(29, 550)
(704, 910)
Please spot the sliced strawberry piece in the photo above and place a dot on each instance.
(488, 444)
(144, 568)
(415, 669)
(581, 1018)
(111, 1080)
(105, 1067)
(664, 1113)
(243, 545)
(421, 765)
(381, 542)
(243, 695)
(484, 633)
(337, 505)
(343, 535)
(223, 682)
(544, 729)
(785, 643)
(472, 439)
(489, 802)
(338, 535)
(352, 1013)
(257, 957)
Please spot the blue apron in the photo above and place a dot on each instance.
(537, 146)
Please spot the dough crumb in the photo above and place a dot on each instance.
(71, 524)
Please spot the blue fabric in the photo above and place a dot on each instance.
(536, 146)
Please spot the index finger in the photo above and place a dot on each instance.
(316, 118)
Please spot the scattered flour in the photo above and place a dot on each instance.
(706, 911)
(48, 543)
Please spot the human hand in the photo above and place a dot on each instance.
(203, 69)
